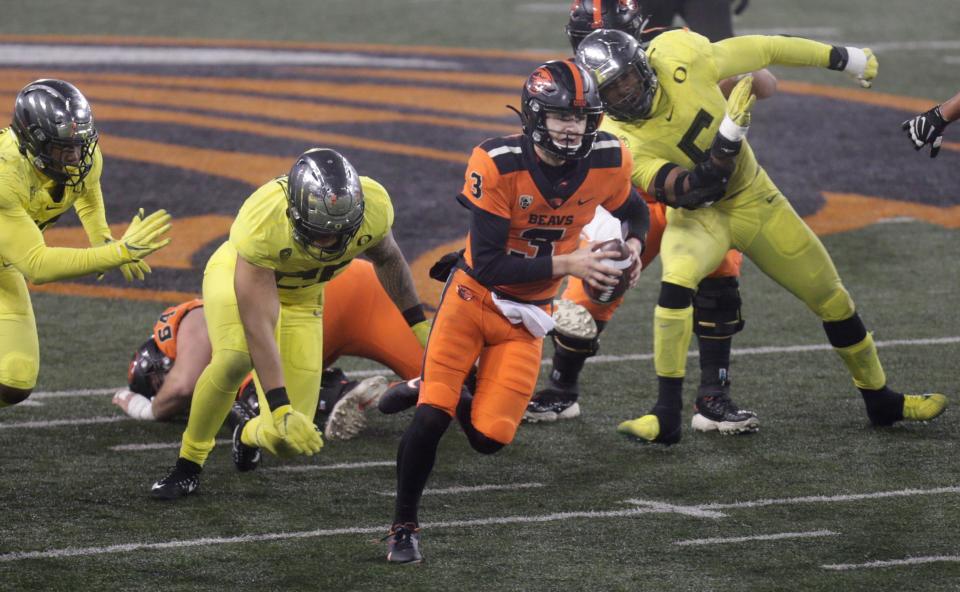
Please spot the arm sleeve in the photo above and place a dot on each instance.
(492, 266)
(637, 216)
(21, 244)
(739, 55)
(89, 207)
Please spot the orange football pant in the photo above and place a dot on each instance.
(469, 326)
(359, 319)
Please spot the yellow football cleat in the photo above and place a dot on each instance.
(644, 428)
(923, 407)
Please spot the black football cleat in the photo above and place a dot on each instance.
(714, 410)
(553, 403)
(245, 458)
(400, 396)
(182, 480)
(403, 544)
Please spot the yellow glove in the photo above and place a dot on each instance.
(290, 433)
(422, 331)
(862, 65)
(144, 235)
(871, 69)
(135, 269)
(741, 102)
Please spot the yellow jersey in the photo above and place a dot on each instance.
(263, 235)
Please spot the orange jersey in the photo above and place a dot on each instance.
(505, 179)
(167, 326)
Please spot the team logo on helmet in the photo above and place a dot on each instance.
(575, 6)
(628, 5)
(541, 83)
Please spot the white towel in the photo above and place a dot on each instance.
(534, 318)
(604, 226)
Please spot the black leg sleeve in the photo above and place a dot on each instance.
(415, 458)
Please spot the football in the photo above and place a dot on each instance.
(622, 262)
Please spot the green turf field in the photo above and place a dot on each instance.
(816, 501)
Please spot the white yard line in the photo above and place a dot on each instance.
(60, 55)
(471, 489)
(156, 446)
(336, 467)
(745, 351)
(758, 537)
(56, 423)
(648, 508)
(892, 562)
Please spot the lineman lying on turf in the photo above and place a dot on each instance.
(160, 389)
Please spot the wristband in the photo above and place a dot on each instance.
(277, 398)
(414, 315)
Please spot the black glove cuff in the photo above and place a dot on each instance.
(839, 56)
(414, 315)
(277, 398)
(723, 148)
(936, 113)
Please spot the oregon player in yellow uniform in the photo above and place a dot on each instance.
(690, 152)
(50, 162)
(263, 294)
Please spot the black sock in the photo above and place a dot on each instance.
(714, 361)
(415, 458)
(667, 409)
(188, 466)
(884, 406)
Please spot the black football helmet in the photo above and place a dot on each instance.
(148, 369)
(560, 87)
(54, 125)
(585, 18)
(627, 83)
(325, 201)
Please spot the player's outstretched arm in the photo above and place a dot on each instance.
(397, 280)
(749, 53)
(927, 127)
(21, 243)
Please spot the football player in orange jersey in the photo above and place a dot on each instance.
(529, 196)
(164, 370)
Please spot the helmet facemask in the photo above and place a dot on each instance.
(148, 369)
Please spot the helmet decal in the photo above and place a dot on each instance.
(541, 82)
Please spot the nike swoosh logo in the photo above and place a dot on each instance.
(155, 487)
(56, 207)
(771, 198)
(580, 202)
(670, 117)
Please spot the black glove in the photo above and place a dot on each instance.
(926, 128)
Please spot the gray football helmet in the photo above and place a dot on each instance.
(619, 65)
(54, 125)
(325, 203)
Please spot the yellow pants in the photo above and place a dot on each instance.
(19, 346)
(768, 231)
(299, 337)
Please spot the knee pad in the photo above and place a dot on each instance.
(580, 347)
(483, 444)
(716, 308)
(674, 296)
